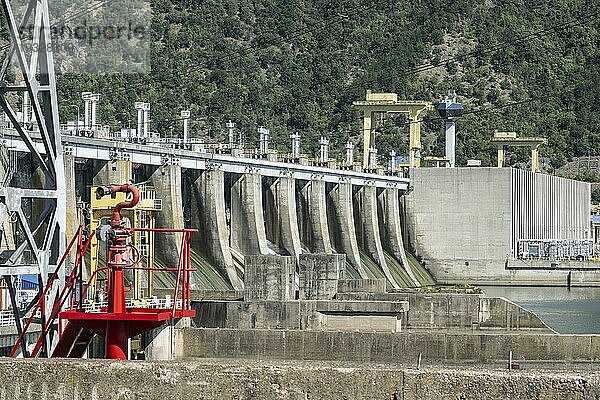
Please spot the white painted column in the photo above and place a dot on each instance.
(349, 153)
(86, 109)
(185, 114)
(230, 134)
(139, 106)
(295, 145)
(25, 107)
(451, 142)
(324, 153)
(94, 99)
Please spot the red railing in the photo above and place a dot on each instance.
(40, 305)
(183, 271)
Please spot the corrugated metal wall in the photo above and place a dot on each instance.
(548, 207)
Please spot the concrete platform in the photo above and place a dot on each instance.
(246, 379)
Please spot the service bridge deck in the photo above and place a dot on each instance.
(103, 149)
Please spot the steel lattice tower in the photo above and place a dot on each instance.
(44, 234)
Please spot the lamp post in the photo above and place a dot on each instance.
(77, 123)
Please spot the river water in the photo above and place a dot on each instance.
(567, 311)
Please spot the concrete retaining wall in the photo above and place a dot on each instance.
(399, 347)
(464, 223)
(301, 314)
(221, 379)
(454, 310)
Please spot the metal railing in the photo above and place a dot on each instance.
(165, 303)
(557, 249)
(7, 318)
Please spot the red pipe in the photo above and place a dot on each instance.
(118, 257)
(126, 188)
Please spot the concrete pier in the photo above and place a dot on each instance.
(269, 277)
(116, 172)
(167, 184)
(390, 229)
(320, 275)
(284, 230)
(248, 234)
(208, 215)
(72, 222)
(314, 211)
(368, 232)
(341, 216)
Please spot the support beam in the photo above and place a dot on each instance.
(208, 215)
(500, 156)
(389, 103)
(72, 222)
(535, 160)
(368, 135)
(414, 154)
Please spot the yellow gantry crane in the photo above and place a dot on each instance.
(141, 216)
(389, 103)
(502, 139)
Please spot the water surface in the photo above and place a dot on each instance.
(567, 311)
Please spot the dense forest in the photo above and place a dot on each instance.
(531, 66)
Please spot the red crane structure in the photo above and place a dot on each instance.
(116, 322)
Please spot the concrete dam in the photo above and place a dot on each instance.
(410, 232)
(243, 211)
(221, 270)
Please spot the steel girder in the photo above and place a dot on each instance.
(43, 235)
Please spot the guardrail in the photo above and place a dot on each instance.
(165, 303)
(7, 318)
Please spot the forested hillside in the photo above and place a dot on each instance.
(297, 65)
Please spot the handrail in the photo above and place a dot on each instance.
(178, 302)
(67, 289)
(45, 291)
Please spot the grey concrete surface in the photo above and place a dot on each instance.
(208, 216)
(116, 172)
(390, 229)
(269, 277)
(464, 223)
(315, 234)
(247, 379)
(248, 234)
(341, 222)
(320, 274)
(285, 232)
(386, 316)
(395, 347)
(368, 229)
(455, 310)
(361, 286)
(167, 184)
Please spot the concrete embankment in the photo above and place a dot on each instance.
(405, 347)
(228, 379)
(457, 310)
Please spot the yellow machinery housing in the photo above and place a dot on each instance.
(141, 216)
(389, 103)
